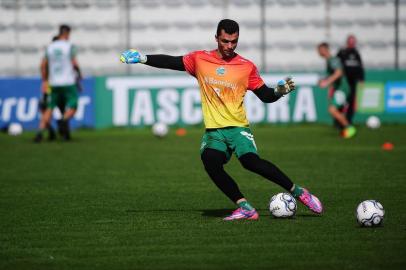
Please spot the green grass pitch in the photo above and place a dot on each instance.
(123, 199)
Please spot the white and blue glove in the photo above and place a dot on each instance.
(133, 57)
(285, 87)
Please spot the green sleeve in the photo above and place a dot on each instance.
(335, 63)
(73, 51)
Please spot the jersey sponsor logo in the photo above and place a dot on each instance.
(352, 61)
(221, 71)
(217, 90)
(213, 81)
(57, 54)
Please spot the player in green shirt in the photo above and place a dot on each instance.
(338, 90)
(60, 71)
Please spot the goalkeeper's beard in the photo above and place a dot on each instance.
(228, 54)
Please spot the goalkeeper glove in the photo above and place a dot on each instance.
(133, 57)
(285, 87)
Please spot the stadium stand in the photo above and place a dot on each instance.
(293, 29)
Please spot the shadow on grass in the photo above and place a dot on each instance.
(216, 212)
(213, 212)
(57, 141)
(308, 215)
(204, 212)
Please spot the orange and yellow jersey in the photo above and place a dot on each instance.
(223, 85)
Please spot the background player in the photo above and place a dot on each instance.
(338, 90)
(353, 70)
(224, 77)
(59, 72)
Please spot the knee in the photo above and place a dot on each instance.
(332, 110)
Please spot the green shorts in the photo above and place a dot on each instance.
(228, 140)
(64, 96)
(338, 97)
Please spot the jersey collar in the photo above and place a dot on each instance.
(214, 54)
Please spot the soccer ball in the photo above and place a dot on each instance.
(373, 122)
(15, 129)
(370, 213)
(282, 205)
(160, 129)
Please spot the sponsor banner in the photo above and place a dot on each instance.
(395, 97)
(383, 95)
(143, 100)
(19, 99)
(175, 100)
(371, 98)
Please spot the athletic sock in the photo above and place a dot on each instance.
(62, 126)
(296, 191)
(246, 206)
(38, 136)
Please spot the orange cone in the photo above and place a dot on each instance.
(387, 146)
(181, 132)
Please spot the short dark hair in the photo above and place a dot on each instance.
(324, 44)
(229, 26)
(64, 28)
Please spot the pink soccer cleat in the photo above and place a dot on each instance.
(311, 202)
(243, 214)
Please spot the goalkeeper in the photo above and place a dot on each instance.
(224, 78)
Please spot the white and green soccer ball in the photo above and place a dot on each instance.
(15, 129)
(160, 129)
(282, 205)
(370, 213)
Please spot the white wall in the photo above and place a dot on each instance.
(294, 28)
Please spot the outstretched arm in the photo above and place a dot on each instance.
(165, 61)
(268, 94)
(155, 60)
